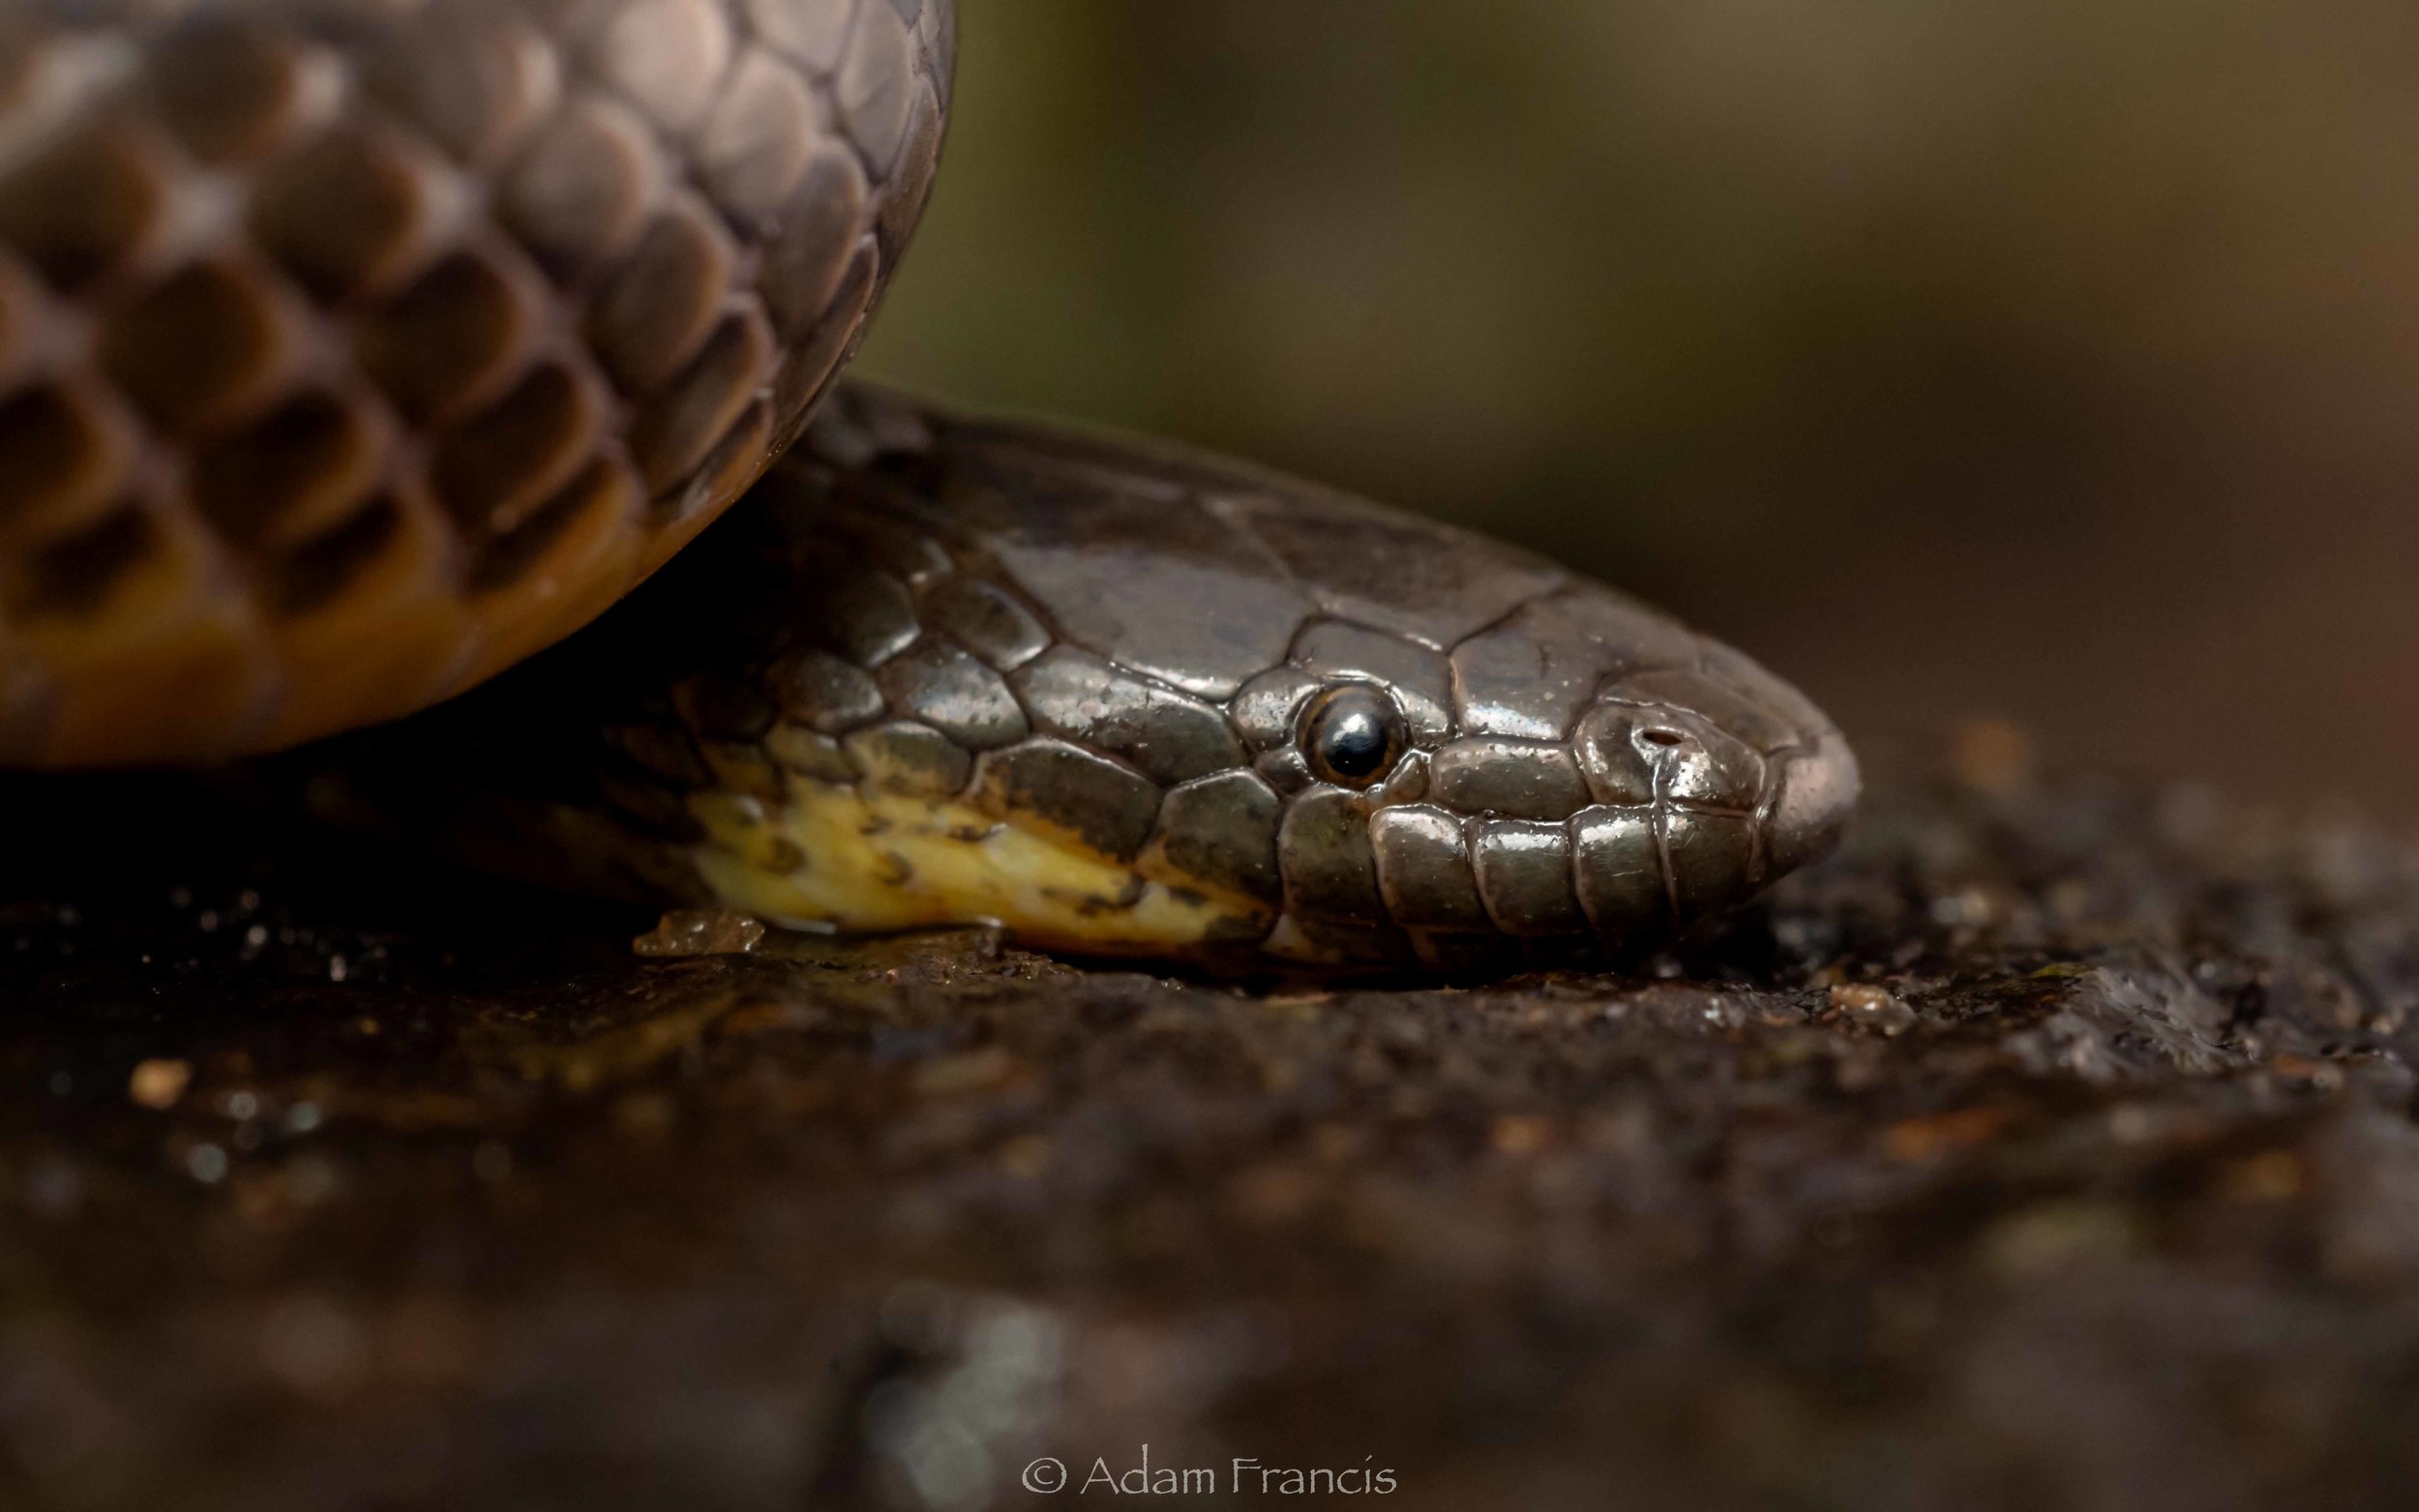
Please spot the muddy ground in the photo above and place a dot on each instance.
(2052, 1147)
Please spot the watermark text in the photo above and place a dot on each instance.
(1242, 1475)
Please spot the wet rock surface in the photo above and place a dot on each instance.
(2052, 1147)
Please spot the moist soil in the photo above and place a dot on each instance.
(2052, 1146)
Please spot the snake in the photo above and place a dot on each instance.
(370, 371)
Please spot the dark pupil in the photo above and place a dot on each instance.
(1355, 742)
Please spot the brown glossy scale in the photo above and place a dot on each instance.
(1377, 739)
(351, 352)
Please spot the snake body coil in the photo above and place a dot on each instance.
(353, 350)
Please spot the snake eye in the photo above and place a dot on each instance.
(1352, 735)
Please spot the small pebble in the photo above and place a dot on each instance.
(159, 1084)
(1873, 1008)
(702, 931)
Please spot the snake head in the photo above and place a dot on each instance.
(1124, 702)
(1676, 794)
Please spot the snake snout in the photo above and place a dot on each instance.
(1705, 789)
(1814, 795)
(1677, 796)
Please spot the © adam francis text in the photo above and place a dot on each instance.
(1242, 1476)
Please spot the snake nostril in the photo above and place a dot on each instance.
(1661, 737)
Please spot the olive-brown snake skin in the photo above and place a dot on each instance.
(351, 351)
(354, 349)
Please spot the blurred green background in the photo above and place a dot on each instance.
(2055, 361)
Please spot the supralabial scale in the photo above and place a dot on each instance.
(353, 351)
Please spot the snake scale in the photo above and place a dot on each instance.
(354, 352)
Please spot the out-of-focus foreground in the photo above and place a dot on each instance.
(2050, 1151)
(2053, 362)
